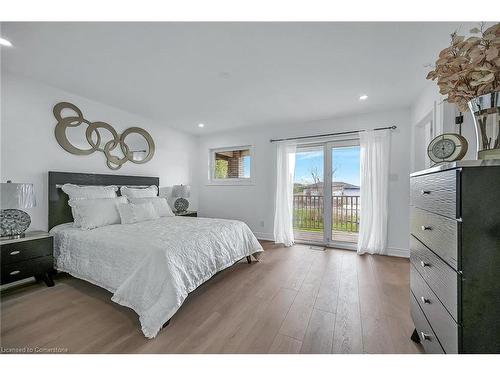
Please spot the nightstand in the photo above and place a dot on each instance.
(28, 256)
(187, 213)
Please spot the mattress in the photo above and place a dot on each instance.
(152, 266)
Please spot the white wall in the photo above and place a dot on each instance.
(431, 104)
(255, 204)
(29, 149)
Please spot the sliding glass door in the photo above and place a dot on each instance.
(326, 193)
(345, 189)
(308, 197)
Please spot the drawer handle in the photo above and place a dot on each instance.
(425, 300)
(425, 336)
(425, 192)
(15, 272)
(423, 264)
(423, 227)
(15, 252)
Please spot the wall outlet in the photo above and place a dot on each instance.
(262, 223)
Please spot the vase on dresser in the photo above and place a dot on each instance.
(486, 113)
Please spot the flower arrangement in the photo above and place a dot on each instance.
(469, 67)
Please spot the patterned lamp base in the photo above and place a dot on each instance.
(181, 204)
(13, 223)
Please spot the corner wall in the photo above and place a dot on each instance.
(29, 148)
(254, 204)
(432, 105)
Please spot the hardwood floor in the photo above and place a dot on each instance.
(296, 300)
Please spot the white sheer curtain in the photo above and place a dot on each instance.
(283, 212)
(375, 149)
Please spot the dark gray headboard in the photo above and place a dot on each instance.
(59, 210)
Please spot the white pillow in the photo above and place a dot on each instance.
(95, 213)
(131, 192)
(89, 192)
(134, 213)
(160, 204)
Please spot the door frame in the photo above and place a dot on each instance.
(327, 218)
(328, 146)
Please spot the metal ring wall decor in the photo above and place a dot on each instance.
(94, 137)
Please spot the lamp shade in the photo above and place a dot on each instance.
(181, 191)
(18, 196)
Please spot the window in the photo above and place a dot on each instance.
(232, 165)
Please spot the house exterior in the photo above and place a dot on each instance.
(339, 188)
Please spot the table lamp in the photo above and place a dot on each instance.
(14, 198)
(181, 192)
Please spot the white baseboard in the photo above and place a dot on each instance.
(28, 280)
(391, 251)
(264, 236)
(398, 252)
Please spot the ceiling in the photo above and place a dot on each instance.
(229, 75)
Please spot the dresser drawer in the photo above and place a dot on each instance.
(436, 192)
(427, 336)
(16, 252)
(440, 277)
(442, 323)
(438, 233)
(21, 270)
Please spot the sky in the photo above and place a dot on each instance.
(345, 163)
(246, 166)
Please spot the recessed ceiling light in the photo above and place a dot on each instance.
(201, 125)
(363, 97)
(5, 42)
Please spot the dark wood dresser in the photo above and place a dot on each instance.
(455, 257)
(28, 256)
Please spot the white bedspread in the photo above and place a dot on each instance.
(152, 266)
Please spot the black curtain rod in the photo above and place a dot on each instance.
(330, 134)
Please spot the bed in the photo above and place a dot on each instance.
(149, 266)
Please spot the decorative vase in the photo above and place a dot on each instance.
(486, 112)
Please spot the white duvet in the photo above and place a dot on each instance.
(152, 266)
